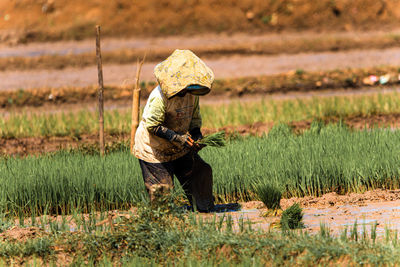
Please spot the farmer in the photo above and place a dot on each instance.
(165, 139)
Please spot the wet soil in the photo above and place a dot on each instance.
(337, 212)
(89, 142)
(224, 67)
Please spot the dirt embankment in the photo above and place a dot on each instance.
(79, 54)
(89, 142)
(224, 68)
(291, 81)
(29, 20)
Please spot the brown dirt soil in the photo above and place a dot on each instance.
(355, 122)
(344, 68)
(30, 20)
(292, 81)
(39, 145)
(19, 234)
(334, 199)
(89, 142)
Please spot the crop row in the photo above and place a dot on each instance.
(85, 121)
(322, 159)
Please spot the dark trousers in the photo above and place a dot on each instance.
(193, 173)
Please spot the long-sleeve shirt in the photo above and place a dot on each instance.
(180, 114)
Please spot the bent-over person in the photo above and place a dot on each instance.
(165, 139)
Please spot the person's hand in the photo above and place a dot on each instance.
(197, 147)
(187, 141)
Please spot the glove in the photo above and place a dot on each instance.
(184, 140)
(187, 141)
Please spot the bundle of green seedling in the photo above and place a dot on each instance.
(214, 140)
(269, 194)
(292, 217)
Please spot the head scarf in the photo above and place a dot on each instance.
(180, 70)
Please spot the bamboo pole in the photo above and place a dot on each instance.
(136, 103)
(101, 89)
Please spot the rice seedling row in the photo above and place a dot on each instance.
(323, 159)
(16, 125)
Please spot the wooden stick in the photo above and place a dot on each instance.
(101, 89)
(136, 103)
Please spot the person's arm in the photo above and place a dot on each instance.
(154, 114)
(196, 122)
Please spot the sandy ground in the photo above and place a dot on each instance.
(223, 67)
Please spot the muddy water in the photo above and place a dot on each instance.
(223, 67)
(385, 214)
(337, 218)
(335, 211)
